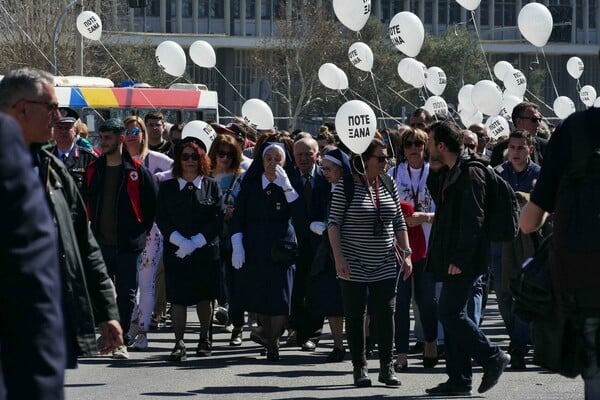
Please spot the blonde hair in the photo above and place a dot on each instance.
(140, 123)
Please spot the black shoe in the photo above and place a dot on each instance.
(273, 350)
(236, 338)
(386, 375)
(361, 377)
(417, 348)
(449, 389)
(179, 353)
(430, 362)
(336, 355)
(517, 361)
(400, 367)
(309, 345)
(204, 348)
(492, 372)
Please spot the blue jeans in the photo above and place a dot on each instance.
(122, 268)
(591, 373)
(518, 331)
(464, 339)
(424, 289)
(475, 301)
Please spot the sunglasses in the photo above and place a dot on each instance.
(533, 119)
(190, 156)
(470, 146)
(381, 159)
(224, 154)
(411, 143)
(132, 131)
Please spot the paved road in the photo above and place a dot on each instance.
(241, 373)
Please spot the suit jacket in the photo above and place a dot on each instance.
(32, 349)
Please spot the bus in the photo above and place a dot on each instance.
(97, 99)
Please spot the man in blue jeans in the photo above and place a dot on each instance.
(458, 255)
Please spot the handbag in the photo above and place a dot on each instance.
(284, 251)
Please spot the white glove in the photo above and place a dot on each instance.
(318, 227)
(177, 238)
(186, 248)
(199, 240)
(282, 180)
(238, 256)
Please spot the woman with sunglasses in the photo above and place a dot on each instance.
(136, 143)
(226, 158)
(189, 214)
(410, 176)
(365, 232)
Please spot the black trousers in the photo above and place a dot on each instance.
(382, 296)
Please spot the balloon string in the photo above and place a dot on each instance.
(226, 109)
(398, 93)
(27, 36)
(125, 72)
(549, 72)
(578, 86)
(229, 83)
(540, 100)
(481, 45)
(178, 78)
(378, 100)
(383, 112)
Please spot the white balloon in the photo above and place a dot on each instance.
(89, 25)
(436, 80)
(411, 72)
(597, 103)
(501, 68)
(509, 102)
(354, 14)
(361, 56)
(258, 114)
(342, 78)
(356, 123)
(329, 76)
(437, 106)
(469, 117)
(563, 107)
(535, 23)
(575, 67)
(407, 33)
(201, 131)
(464, 98)
(171, 57)
(515, 83)
(497, 126)
(587, 94)
(470, 5)
(487, 97)
(203, 54)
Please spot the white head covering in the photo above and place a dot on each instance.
(277, 146)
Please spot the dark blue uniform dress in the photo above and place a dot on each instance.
(190, 211)
(263, 216)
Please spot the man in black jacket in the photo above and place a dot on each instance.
(32, 361)
(88, 296)
(121, 201)
(458, 255)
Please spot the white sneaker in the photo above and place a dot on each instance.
(139, 343)
(120, 353)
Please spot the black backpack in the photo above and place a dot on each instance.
(501, 221)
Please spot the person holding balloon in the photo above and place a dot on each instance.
(366, 231)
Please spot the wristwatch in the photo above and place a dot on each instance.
(407, 251)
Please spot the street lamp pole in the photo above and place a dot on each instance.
(54, 33)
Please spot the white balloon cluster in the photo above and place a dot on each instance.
(332, 77)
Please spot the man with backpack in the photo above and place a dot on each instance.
(458, 255)
(569, 187)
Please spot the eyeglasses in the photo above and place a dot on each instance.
(132, 131)
(471, 146)
(188, 156)
(52, 107)
(224, 154)
(381, 159)
(533, 119)
(411, 143)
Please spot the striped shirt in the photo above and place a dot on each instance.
(370, 258)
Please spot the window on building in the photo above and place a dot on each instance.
(505, 13)
(203, 8)
(186, 8)
(154, 8)
(484, 9)
(217, 8)
(448, 12)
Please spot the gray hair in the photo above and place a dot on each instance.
(20, 83)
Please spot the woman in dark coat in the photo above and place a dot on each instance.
(263, 214)
(190, 217)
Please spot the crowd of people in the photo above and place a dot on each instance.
(288, 230)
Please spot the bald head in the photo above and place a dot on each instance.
(470, 139)
(482, 136)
